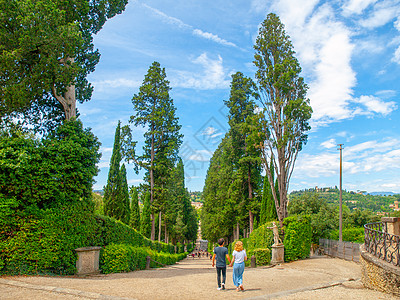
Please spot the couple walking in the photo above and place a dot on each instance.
(238, 258)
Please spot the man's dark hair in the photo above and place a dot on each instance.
(221, 241)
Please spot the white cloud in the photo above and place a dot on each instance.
(201, 155)
(382, 13)
(213, 77)
(325, 46)
(363, 158)
(397, 24)
(376, 105)
(195, 31)
(212, 37)
(168, 19)
(107, 84)
(396, 56)
(386, 93)
(356, 6)
(331, 143)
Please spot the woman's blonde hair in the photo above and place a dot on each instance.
(239, 246)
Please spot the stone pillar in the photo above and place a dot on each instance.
(88, 260)
(278, 254)
(393, 225)
(253, 261)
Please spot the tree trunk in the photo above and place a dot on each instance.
(153, 225)
(237, 230)
(68, 100)
(159, 226)
(250, 188)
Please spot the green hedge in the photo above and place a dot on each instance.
(116, 232)
(36, 241)
(298, 234)
(263, 256)
(43, 241)
(116, 258)
(355, 235)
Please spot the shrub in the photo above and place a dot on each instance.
(117, 258)
(298, 235)
(354, 234)
(47, 173)
(263, 256)
(43, 241)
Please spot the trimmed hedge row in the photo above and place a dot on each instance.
(116, 232)
(43, 241)
(118, 258)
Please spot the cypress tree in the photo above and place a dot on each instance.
(134, 221)
(125, 205)
(112, 189)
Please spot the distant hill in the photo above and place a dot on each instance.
(196, 196)
(354, 200)
(99, 192)
(382, 194)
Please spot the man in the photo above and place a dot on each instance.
(220, 253)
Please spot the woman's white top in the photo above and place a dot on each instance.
(239, 256)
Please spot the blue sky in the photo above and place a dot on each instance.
(350, 55)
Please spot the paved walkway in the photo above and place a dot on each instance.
(316, 278)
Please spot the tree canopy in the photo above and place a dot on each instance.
(46, 53)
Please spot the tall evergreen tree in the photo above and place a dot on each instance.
(134, 221)
(219, 214)
(246, 158)
(125, 205)
(112, 191)
(286, 110)
(154, 109)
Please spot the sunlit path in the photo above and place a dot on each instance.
(196, 279)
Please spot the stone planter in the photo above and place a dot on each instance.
(88, 260)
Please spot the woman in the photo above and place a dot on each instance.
(239, 257)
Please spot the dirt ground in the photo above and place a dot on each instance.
(315, 278)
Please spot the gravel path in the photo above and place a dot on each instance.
(316, 278)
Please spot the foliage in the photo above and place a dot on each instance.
(126, 208)
(286, 110)
(325, 216)
(118, 258)
(155, 110)
(98, 203)
(134, 221)
(233, 183)
(353, 200)
(268, 209)
(218, 212)
(145, 222)
(46, 52)
(116, 198)
(298, 234)
(355, 235)
(37, 241)
(59, 169)
(263, 256)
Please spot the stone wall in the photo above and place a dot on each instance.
(379, 275)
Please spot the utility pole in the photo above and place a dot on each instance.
(340, 195)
